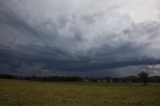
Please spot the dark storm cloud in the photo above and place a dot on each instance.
(48, 39)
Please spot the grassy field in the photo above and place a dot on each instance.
(26, 93)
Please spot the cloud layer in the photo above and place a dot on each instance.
(82, 36)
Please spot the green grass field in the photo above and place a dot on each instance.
(28, 93)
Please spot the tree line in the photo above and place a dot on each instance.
(142, 77)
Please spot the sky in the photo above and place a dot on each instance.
(80, 37)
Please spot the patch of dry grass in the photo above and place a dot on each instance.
(26, 93)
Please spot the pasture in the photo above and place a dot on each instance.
(32, 93)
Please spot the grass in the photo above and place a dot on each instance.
(28, 93)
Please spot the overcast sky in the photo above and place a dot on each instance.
(80, 37)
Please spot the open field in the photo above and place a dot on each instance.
(28, 93)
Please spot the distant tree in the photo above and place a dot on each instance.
(130, 79)
(115, 80)
(7, 76)
(108, 79)
(93, 80)
(143, 78)
(155, 79)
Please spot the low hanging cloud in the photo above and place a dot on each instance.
(82, 36)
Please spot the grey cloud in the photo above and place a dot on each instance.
(73, 41)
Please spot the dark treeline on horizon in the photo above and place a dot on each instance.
(128, 79)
